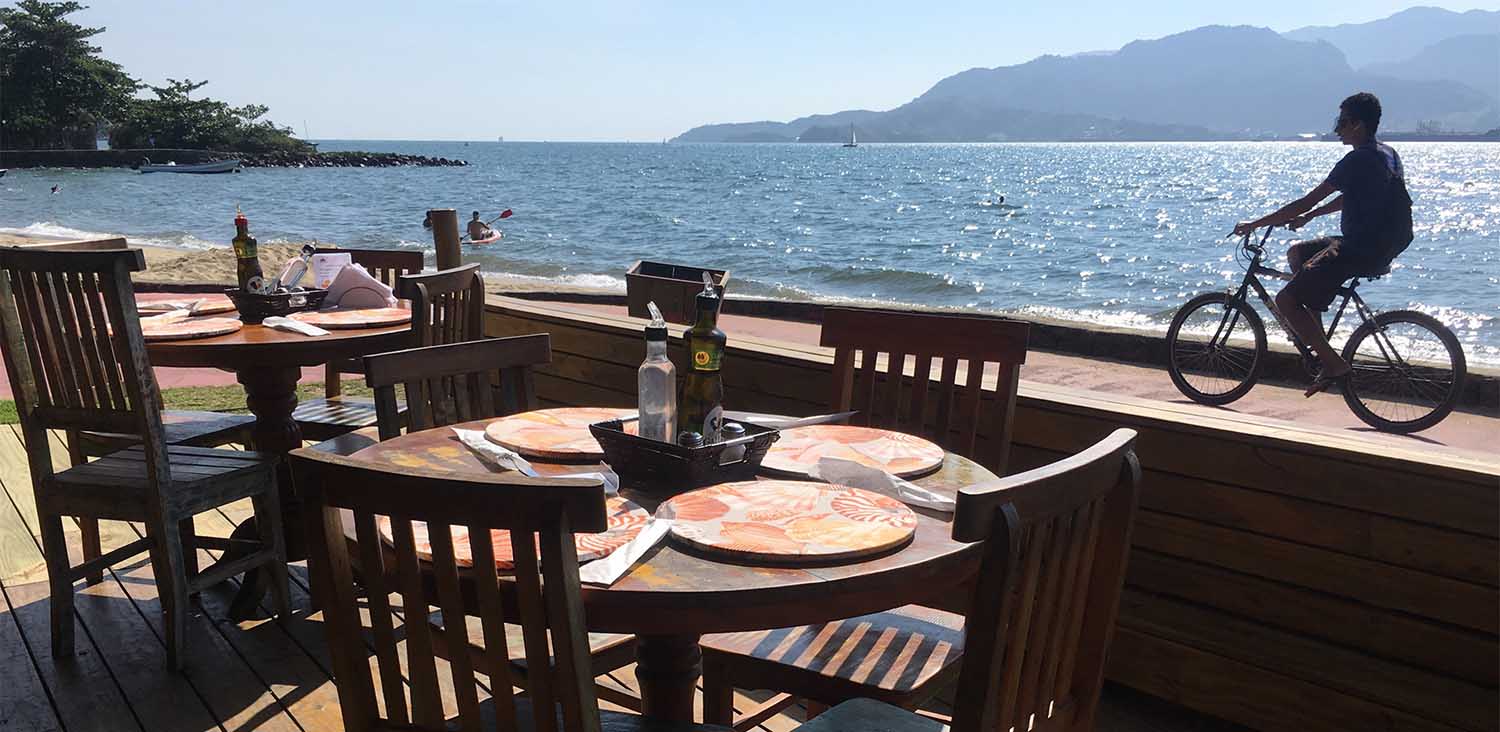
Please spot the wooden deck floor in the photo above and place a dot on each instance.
(261, 675)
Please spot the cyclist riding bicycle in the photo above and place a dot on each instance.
(1375, 223)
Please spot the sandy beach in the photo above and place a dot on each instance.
(167, 266)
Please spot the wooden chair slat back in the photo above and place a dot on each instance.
(539, 516)
(385, 265)
(73, 346)
(1048, 588)
(456, 382)
(447, 306)
(862, 339)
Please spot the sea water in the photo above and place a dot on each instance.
(1106, 233)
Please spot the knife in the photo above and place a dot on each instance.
(782, 422)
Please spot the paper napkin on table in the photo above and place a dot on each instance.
(494, 455)
(294, 326)
(353, 287)
(608, 570)
(850, 473)
(505, 459)
(165, 306)
(171, 316)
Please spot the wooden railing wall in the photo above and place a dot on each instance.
(1279, 577)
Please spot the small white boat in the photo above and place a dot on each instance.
(217, 166)
(852, 141)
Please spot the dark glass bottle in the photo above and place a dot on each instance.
(701, 406)
(247, 255)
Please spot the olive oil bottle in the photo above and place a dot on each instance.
(246, 254)
(701, 406)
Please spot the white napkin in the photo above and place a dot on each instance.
(165, 306)
(171, 316)
(499, 457)
(850, 473)
(353, 287)
(294, 326)
(608, 570)
(494, 455)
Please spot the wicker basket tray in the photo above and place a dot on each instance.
(667, 468)
(255, 308)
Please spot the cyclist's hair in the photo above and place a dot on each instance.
(1363, 107)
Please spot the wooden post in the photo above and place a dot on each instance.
(445, 237)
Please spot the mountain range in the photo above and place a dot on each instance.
(1431, 68)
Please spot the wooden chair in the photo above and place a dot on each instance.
(952, 416)
(1046, 596)
(455, 382)
(180, 427)
(336, 414)
(447, 306)
(461, 382)
(402, 686)
(77, 361)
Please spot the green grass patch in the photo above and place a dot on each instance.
(213, 398)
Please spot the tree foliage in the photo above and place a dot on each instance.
(55, 90)
(174, 119)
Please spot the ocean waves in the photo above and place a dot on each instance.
(1118, 234)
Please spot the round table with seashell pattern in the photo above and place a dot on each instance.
(677, 594)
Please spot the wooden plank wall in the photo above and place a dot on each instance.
(1278, 576)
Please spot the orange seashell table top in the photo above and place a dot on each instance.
(359, 318)
(626, 519)
(160, 329)
(558, 434)
(789, 522)
(897, 453)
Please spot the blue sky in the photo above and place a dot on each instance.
(620, 69)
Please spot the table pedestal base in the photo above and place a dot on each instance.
(271, 395)
(667, 670)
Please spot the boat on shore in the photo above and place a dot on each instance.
(217, 166)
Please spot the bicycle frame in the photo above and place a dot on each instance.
(1252, 282)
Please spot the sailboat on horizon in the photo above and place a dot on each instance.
(852, 141)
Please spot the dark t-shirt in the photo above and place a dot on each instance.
(1376, 218)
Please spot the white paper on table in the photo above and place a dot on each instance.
(326, 266)
(608, 570)
(852, 474)
(171, 316)
(168, 306)
(294, 326)
(494, 455)
(502, 458)
(354, 287)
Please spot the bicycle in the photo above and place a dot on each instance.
(1408, 368)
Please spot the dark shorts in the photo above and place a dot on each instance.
(1328, 263)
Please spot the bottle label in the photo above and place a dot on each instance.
(706, 360)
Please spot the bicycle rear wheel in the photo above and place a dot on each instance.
(1408, 372)
(1215, 345)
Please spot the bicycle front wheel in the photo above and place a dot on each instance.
(1408, 372)
(1215, 345)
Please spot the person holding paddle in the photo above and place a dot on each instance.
(479, 232)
